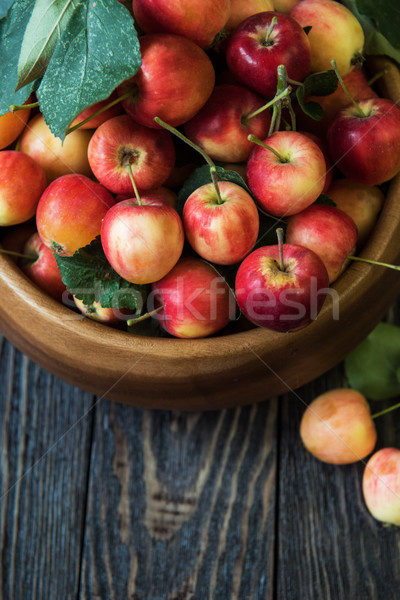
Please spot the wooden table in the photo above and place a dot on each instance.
(101, 500)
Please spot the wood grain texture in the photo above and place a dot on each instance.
(45, 441)
(328, 545)
(181, 505)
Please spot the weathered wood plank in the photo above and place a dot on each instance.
(181, 505)
(45, 441)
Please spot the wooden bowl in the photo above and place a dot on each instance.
(213, 373)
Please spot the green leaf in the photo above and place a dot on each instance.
(317, 84)
(89, 276)
(48, 21)
(12, 28)
(324, 199)
(201, 176)
(96, 52)
(381, 24)
(373, 367)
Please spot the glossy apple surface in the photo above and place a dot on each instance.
(42, 269)
(142, 242)
(121, 141)
(22, 182)
(12, 125)
(175, 80)
(198, 20)
(221, 233)
(196, 300)
(70, 213)
(282, 300)
(337, 427)
(285, 186)
(55, 157)
(326, 230)
(366, 148)
(221, 127)
(381, 485)
(254, 54)
(335, 34)
(361, 202)
(323, 146)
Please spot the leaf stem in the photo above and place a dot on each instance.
(346, 91)
(183, 138)
(385, 411)
(98, 112)
(15, 107)
(151, 313)
(137, 195)
(374, 262)
(253, 138)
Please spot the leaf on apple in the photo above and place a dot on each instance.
(12, 28)
(89, 276)
(380, 20)
(97, 50)
(373, 367)
(201, 176)
(48, 21)
(316, 84)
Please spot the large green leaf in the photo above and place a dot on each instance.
(373, 367)
(48, 21)
(381, 24)
(97, 51)
(12, 28)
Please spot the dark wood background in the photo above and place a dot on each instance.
(105, 501)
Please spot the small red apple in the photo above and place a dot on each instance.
(256, 49)
(337, 427)
(42, 269)
(22, 182)
(70, 212)
(283, 297)
(198, 20)
(196, 301)
(121, 141)
(221, 127)
(287, 183)
(326, 230)
(142, 240)
(175, 80)
(223, 230)
(365, 145)
(381, 485)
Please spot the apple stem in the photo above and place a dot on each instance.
(270, 29)
(279, 233)
(346, 91)
(374, 262)
(284, 102)
(278, 97)
(137, 195)
(213, 168)
(18, 254)
(253, 138)
(151, 313)
(15, 107)
(385, 411)
(377, 76)
(98, 112)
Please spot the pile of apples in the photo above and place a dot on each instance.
(115, 175)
